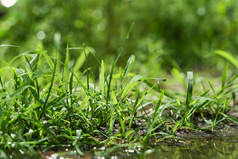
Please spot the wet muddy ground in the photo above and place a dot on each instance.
(223, 143)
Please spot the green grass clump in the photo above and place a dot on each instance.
(47, 103)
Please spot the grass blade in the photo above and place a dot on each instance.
(228, 56)
(190, 87)
(127, 68)
(189, 97)
(109, 82)
(178, 76)
(102, 79)
(48, 95)
(224, 76)
(66, 70)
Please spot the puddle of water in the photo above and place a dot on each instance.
(195, 150)
(216, 148)
(222, 144)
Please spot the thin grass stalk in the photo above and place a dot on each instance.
(49, 91)
(189, 96)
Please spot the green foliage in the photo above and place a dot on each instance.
(69, 96)
(42, 106)
(164, 33)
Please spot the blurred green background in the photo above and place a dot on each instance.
(166, 33)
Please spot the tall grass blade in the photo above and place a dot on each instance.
(159, 103)
(189, 97)
(86, 62)
(102, 79)
(49, 91)
(109, 82)
(127, 68)
(190, 87)
(66, 70)
(224, 76)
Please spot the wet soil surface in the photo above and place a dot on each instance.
(222, 143)
(193, 144)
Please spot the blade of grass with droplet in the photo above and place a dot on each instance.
(7, 45)
(189, 97)
(157, 88)
(190, 87)
(34, 62)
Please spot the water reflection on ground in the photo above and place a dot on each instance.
(213, 149)
(191, 145)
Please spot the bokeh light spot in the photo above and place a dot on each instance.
(8, 3)
(40, 35)
(201, 11)
(101, 27)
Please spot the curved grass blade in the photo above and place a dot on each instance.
(178, 76)
(157, 88)
(228, 56)
(127, 68)
(128, 89)
(7, 45)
